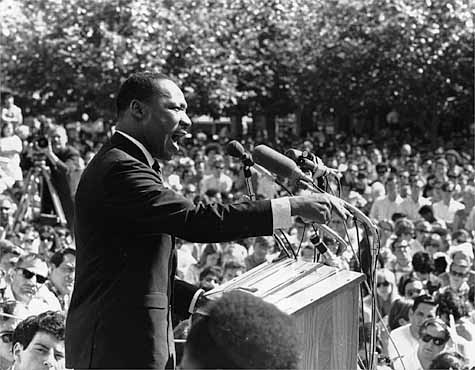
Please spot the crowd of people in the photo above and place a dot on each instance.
(421, 197)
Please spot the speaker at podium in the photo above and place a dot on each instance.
(323, 301)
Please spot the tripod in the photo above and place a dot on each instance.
(30, 205)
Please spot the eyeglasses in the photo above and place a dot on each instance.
(458, 274)
(383, 283)
(436, 340)
(27, 274)
(6, 336)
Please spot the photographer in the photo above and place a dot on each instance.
(65, 164)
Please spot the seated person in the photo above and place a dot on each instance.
(460, 276)
(432, 340)
(61, 276)
(28, 276)
(38, 342)
(257, 340)
(232, 269)
(263, 245)
(210, 277)
(8, 322)
(405, 338)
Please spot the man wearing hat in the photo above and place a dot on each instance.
(460, 277)
(445, 208)
(411, 204)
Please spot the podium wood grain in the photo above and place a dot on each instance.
(323, 301)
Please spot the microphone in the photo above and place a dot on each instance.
(279, 164)
(309, 162)
(236, 150)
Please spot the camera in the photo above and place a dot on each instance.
(41, 141)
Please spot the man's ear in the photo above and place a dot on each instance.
(17, 350)
(137, 109)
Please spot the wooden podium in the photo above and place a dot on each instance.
(323, 301)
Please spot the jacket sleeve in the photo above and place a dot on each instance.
(136, 199)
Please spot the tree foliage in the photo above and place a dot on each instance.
(353, 57)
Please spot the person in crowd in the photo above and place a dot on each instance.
(377, 187)
(423, 270)
(410, 287)
(28, 276)
(126, 223)
(405, 338)
(257, 341)
(445, 208)
(399, 313)
(412, 203)
(448, 360)
(385, 207)
(210, 256)
(386, 229)
(7, 209)
(262, 246)
(10, 149)
(422, 231)
(401, 264)
(386, 294)
(9, 253)
(433, 337)
(217, 179)
(460, 276)
(210, 277)
(38, 342)
(427, 214)
(232, 269)
(8, 322)
(61, 276)
(63, 160)
(433, 244)
(11, 113)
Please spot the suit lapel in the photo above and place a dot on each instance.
(121, 142)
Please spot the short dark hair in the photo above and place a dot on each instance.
(422, 262)
(425, 298)
(399, 310)
(211, 270)
(257, 341)
(49, 322)
(449, 303)
(58, 258)
(141, 86)
(448, 360)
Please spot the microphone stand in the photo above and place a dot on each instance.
(248, 163)
(375, 233)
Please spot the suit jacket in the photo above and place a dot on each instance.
(126, 221)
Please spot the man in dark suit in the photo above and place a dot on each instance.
(126, 222)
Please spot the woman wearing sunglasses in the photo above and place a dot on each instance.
(433, 338)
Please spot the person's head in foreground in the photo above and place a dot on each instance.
(242, 332)
(38, 342)
(449, 360)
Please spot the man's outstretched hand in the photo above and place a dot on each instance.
(317, 207)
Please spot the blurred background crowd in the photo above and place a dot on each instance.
(421, 196)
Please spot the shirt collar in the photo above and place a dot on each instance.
(144, 150)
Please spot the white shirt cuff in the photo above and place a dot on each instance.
(191, 309)
(281, 213)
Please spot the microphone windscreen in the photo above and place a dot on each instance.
(235, 149)
(275, 161)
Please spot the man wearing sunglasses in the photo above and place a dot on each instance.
(405, 338)
(27, 278)
(433, 338)
(460, 276)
